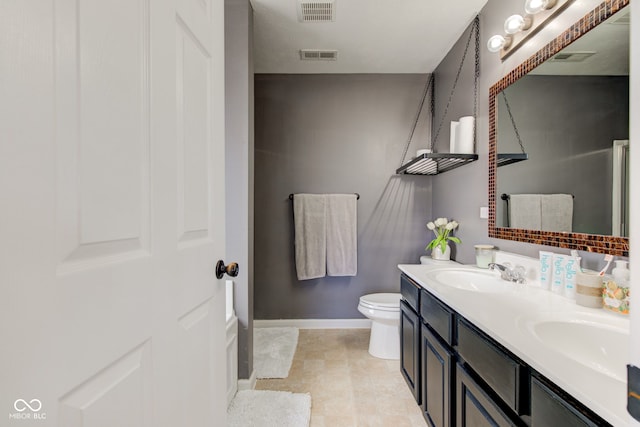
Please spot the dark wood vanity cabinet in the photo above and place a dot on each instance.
(410, 336)
(462, 377)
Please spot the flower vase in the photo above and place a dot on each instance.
(437, 253)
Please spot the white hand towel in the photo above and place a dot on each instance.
(525, 211)
(309, 215)
(557, 212)
(342, 238)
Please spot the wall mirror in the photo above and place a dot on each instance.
(566, 111)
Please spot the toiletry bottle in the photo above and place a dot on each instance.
(557, 283)
(615, 292)
(546, 269)
(571, 268)
(621, 273)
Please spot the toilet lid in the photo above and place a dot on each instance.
(388, 301)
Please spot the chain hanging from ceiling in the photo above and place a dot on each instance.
(513, 121)
(474, 33)
(427, 86)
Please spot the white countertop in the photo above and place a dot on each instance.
(506, 317)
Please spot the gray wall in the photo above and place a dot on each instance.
(460, 193)
(567, 124)
(336, 134)
(239, 170)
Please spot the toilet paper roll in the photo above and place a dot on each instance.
(465, 136)
(453, 137)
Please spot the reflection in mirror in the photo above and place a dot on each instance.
(570, 115)
(568, 112)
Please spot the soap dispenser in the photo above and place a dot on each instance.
(621, 271)
(615, 292)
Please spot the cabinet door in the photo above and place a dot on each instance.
(548, 408)
(437, 377)
(410, 348)
(474, 407)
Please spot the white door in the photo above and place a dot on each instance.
(111, 213)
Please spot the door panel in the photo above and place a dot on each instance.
(200, 208)
(201, 17)
(112, 314)
(123, 385)
(194, 126)
(196, 358)
(102, 131)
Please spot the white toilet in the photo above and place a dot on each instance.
(384, 312)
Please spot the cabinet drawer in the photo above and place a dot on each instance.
(505, 375)
(437, 315)
(410, 291)
(548, 407)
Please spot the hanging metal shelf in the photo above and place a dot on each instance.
(435, 163)
(509, 158)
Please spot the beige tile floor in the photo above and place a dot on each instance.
(348, 386)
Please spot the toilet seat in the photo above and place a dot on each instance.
(381, 301)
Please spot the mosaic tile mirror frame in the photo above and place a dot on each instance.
(571, 240)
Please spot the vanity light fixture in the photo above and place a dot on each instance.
(498, 42)
(516, 23)
(519, 28)
(536, 6)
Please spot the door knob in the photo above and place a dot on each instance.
(231, 269)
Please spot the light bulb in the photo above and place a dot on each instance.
(496, 43)
(514, 24)
(536, 6)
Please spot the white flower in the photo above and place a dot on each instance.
(442, 229)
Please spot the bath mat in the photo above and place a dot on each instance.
(273, 350)
(265, 408)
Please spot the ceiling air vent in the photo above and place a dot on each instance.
(318, 55)
(572, 56)
(316, 11)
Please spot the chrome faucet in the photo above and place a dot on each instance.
(516, 274)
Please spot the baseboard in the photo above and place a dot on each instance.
(249, 384)
(314, 323)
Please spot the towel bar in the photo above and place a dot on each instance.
(357, 196)
(505, 196)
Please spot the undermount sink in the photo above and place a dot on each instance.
(603, 347)
(471, 280)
